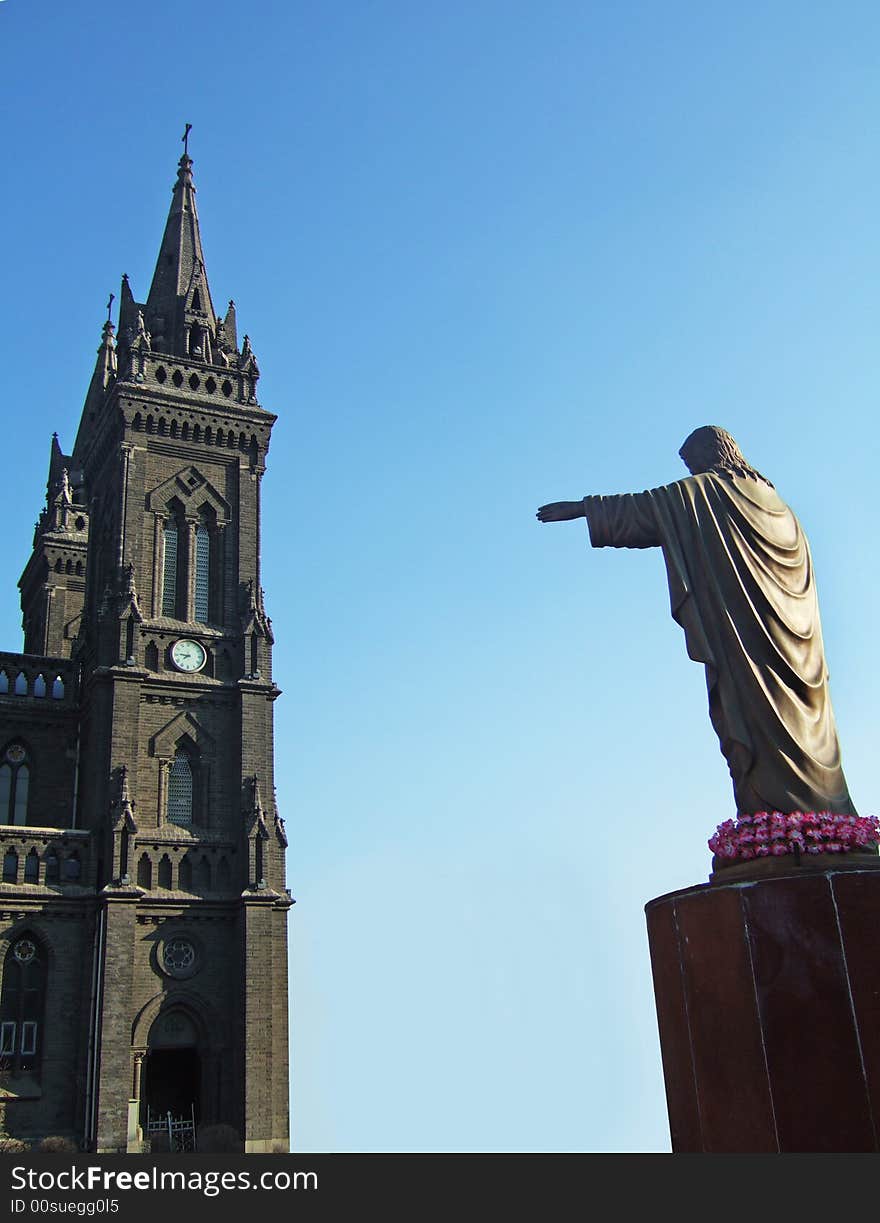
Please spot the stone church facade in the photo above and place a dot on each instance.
(143, 908)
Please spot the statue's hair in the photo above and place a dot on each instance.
(710, 448)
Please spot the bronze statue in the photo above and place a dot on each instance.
(742, 588)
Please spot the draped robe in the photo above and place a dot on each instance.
(741, 586)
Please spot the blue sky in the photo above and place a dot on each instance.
(489, 255)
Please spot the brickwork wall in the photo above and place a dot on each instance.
(65, 929)
(65, 609)
(208, 996)
(209, 719)
(48, 731)
(280, 1036)
(265, 1025)
(114, 1078)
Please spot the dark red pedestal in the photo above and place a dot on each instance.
(768, 1004)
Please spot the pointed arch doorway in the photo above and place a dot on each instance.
(172, 1079)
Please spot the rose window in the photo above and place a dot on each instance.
(24, 951)
(178, 955)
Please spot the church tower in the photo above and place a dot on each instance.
(144, 908)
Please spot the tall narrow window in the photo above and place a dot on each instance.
(28, 1037)
(258, 861)
(5, 791)
(19, 805)
(145, 873)
(22, 1005)
(203, 573)
(185, 874)
(73, 868)
(180, 791)
(15, 778)
(169, 571)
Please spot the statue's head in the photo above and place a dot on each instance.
(710, 448)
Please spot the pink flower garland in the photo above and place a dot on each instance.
(765, 835)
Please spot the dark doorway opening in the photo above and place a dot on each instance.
(173, 1083)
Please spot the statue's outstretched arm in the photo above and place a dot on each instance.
(624, 521)
(560, 511)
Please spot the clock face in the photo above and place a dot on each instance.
(188, 655)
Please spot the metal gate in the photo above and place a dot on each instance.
(180, 1131)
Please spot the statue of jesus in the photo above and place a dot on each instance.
(741, 586)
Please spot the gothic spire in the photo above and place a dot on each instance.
(57, 463)
(179, 312)
(103, 375)
(104, 372)
(128, 309)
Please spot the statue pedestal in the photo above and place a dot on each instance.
(768, 1005)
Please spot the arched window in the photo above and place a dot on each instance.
(203, 573)
(58, 688)
(164, 872)
(15, 779)
(40, 686)
(4, 682)
(10, 866)
(22, 1006)
(169, 570)
(145, 873)
(72, 868)
(32, 867)
(180, 791)
(21, 684)
(185, 874)
(258, 861)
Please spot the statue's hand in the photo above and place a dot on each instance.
(560, 511)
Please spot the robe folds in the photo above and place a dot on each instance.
(741, 586)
